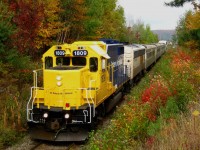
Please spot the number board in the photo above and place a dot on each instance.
(59, 53)
(80, 53)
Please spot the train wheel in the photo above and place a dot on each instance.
(103, 110)
(93, 124)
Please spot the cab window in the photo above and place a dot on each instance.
(63, 61)
(78, 61)
(48, 62)
(93, 64)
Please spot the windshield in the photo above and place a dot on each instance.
(68, 63)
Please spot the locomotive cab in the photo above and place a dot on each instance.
(74, 80)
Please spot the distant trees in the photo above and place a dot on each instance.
(140, 33)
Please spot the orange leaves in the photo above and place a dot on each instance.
(193, 26)
(37, 22)
(193, 20)
(181, 62)
(51, 25)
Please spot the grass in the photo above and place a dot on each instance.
(182, 133)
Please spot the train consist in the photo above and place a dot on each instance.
(82, 82)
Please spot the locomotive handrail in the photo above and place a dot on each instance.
(91, 96)
(30, 118)
(86, 89)
(30, 107)
(35, 77)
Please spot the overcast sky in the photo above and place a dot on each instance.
(153, 12)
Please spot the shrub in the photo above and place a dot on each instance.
(9, 137)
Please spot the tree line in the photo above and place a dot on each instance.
(36, 25)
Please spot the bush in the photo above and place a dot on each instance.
(9, 137)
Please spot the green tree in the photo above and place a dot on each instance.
(105, 20)
(74, 17)
(182, 34)
(150, 36)
(113, 20)
(6, 30)
(119, 24)
(139, 33)
(95, 11)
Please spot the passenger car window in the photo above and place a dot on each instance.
(93, 64)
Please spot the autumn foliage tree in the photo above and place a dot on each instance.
(50, 25)
(38, 24)
(188, 29)
(28, 17)
(193, 25)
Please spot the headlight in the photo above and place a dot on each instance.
(66, 116)
(59, 83)
(58, 78)
(45, 115)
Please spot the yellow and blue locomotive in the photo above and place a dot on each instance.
(81, 81)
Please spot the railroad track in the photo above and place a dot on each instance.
(40, 145)
(36, 146)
